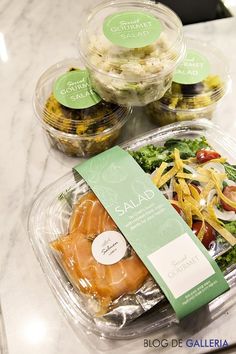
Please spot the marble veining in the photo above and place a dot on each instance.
(36, 35)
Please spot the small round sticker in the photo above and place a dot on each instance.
(73, 90)
(193, 69)
(109, 247)
(132, 29)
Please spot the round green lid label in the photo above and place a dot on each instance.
(73, 90)
(193, 69)
(132, 29)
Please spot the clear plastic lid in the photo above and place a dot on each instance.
(53, 216)
(201, 80)
(129, 38)
(91, 120)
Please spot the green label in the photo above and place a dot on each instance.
(132, 29)
(174, 256)
(73, 90)
(193, 69)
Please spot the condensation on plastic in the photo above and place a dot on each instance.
(121, 75)
(161, 113)
(49, 219)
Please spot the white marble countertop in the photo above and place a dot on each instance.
(34, 35)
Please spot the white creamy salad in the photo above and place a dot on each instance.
(131, 76)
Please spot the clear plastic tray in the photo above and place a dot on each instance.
(46, 224)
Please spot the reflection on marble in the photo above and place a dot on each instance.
(33, 36)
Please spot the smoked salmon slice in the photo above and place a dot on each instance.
(105, 283)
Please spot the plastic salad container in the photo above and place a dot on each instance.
(68, 208)
(76, 131)
(199, 84)
(131, 49)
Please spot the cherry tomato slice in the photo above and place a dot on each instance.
(230, 193)
(209, 234)
(206, 155)
(178, 209)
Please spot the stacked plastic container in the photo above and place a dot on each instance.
(135, 74)
(132, 53)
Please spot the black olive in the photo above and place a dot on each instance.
(193, 89)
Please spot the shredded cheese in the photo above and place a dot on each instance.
(158, 173)
(192, 177)
(184, 186)
(167, 176)
(194, 193)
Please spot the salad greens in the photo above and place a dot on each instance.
(231, 171)
(231, 227)
(150, 157)
(187, 147)
(227, 259)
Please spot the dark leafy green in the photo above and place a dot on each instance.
(187, 147)
(231, 227)
(231, 171)
(150, 157)
(227, 259)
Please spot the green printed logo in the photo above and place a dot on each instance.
(193, 69)
(132, 29)
(73, 90)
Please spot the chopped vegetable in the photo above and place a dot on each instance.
(187, 102)
(197, 181)
(123, 71)
(150, 157)
(206, 155)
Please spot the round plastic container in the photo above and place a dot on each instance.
(76, 132)
(137, 73)
(184, 101)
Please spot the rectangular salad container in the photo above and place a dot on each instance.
(149, 311)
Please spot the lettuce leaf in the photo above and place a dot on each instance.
(150, 157)
(187, 147)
